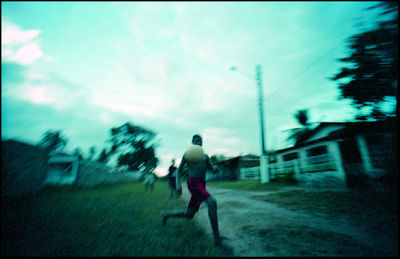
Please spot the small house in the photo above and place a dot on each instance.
(347, 153)
(63, 169)
(244, 167)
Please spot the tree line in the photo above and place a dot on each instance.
(132, 144)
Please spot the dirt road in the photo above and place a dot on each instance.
(259, 228)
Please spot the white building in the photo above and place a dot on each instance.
(63, 169)
(348, 153)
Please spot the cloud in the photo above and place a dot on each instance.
(16, 121)
(12, 34)
(26, 54)
(38, 95)
(223, 141)
(38, 87)
(180, 55)
(19, 46)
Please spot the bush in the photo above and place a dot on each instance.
(286, 178)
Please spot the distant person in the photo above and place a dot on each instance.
(197, 186)
(149, 179)
(172, 178)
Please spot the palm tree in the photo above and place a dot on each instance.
(302, 117)
(300, 134)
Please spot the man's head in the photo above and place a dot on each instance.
(197, 140)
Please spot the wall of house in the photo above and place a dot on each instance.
(62, 170)
(366, 157)
(228, 170)
(371, 154)
(26, 169)
(23, 168)
(383, 150)
(323, 178)
(324, 169)
(92, 173)
(85, 173)
(250, 173)
(58, 174)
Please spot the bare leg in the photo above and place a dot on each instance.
(212, 214)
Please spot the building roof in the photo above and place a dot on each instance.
(347, 129)
(241, 157)
(63, 159)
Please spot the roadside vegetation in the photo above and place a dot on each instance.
(355, 204)
(251, 185)
(115, 220)
(349, 201)
(375, 212)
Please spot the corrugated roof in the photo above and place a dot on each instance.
(350, 129)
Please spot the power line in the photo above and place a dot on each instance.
(320, 58)
(245, 104)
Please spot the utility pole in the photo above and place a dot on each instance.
(264, 172)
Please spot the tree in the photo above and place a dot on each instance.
(53, 141)
(300, 134)
(104, 156)
(135, 147)
(373, 71)
(216, 158)
(302, 117)
(78, 152)
(92, 152)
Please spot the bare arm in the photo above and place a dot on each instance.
(210, 166)
(178, 175)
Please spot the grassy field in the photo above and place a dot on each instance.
(117, 220)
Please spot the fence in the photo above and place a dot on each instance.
(324, 162)
(250, 173)
(92, 173)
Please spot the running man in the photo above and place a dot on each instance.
(149, 179)
(172, 177)
(197, 186)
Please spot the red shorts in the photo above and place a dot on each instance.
(199, 194)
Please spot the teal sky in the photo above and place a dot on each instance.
(84, 67)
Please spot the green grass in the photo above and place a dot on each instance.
(116, 220)
(250, 185)
(334, 203)
(283, 239)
